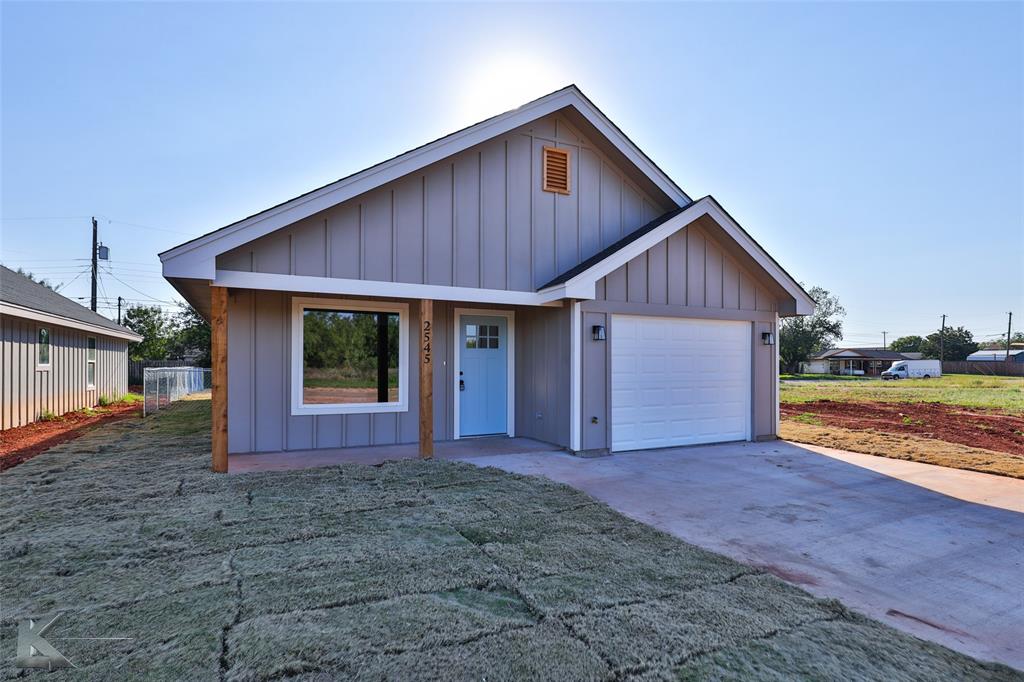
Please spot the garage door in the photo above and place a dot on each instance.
(679, 381)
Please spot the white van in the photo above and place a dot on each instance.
(913, 369)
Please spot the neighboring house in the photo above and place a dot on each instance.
(855, 361)
(1016, 355)
(57, 356)
(534, 275)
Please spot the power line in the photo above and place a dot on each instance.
(136, 290)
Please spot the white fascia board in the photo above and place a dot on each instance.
(195, 259)
(583, 285)
(362, 287)
(59, 320)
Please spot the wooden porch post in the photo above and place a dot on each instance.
(426, 379)
(219, 357)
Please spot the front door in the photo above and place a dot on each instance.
(483, 375)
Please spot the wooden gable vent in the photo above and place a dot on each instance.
(556, 170)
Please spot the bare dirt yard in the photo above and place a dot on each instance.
(966, 422)
(24, 442)
(411, 570)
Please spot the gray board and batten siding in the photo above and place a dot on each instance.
(29, 390)
(478, 219)
(259, 374)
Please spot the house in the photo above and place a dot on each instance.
(57, 356)
(534, 275)
(855, 361)
(1016, 355)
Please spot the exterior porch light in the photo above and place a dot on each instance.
(767, 338)
(597, 332)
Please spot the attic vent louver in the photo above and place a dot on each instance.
(556, 170)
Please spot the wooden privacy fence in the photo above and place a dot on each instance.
(136, 368)
(997, 368)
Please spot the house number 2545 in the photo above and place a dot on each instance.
(427, 333)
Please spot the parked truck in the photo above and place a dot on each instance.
(913, 369)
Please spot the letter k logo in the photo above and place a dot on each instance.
(34, 651)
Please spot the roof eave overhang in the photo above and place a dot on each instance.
(197, 258)
(15, 310)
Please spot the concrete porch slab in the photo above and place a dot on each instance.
(378, 454)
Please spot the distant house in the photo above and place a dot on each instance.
(1016, 355)
(854, 361)
(57, 356)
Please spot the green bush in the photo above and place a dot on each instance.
(47, 416)
(105, 400)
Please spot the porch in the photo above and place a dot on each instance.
(242, 463)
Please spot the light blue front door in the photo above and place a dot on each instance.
(483, 375)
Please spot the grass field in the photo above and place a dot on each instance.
(1003, 393)
(408, 571)
(916, 429)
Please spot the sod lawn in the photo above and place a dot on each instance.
(407, 571)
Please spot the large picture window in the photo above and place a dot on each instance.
(348, 356)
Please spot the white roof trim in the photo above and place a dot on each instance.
(364, 287)
(196, 259)
(583, 285)
(59, 320)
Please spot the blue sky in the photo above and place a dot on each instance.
(874, 149)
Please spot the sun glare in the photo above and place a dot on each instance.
(502, 83)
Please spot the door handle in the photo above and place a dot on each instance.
(462, 385)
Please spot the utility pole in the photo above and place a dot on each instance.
(92, 299)
(1009, 327)
(119, 299)
(885, 346)
(942, 340)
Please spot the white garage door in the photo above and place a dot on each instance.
(679, 381)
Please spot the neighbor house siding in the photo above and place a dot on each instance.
(259, 376)
(477, 219)
(28, 391)
(688, 275)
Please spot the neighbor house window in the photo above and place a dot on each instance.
(90, 362)
(348, 357)
(43, 348)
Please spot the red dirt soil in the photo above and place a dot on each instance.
(978, 428)
(25, 442)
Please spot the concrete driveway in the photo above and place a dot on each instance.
(891, 539)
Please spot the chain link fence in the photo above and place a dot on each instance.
(161, 386)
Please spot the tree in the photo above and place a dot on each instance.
(190, 336)
(152, 324)
(1000, 344)
(958, 343)
(40, 280)
(907, 344)
(802, 337)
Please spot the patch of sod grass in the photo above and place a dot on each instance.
(412, 570)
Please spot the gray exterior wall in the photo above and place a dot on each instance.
(28, 391)
(694, 275)
(477, 219)
(259, 376)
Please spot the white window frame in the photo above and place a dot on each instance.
(44, 366)
(299, 306)
(88, 361)
(510, 316)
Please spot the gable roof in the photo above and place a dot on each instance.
(21, 297)
(862, 353)
(579, 282)
(196, 258)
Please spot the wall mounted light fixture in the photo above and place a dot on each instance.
(597, 332)
(767, 338)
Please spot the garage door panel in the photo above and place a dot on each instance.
(679, 381)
